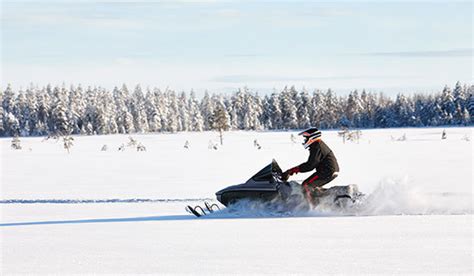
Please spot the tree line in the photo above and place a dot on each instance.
(94, 110)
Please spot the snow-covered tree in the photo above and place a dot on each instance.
(368, 105)
(76, 108)
(288, 108)
(330, 113)
(8, 100)
(353, 108)
(51, 110)
(317, 118)
(31, 113)
(20, 112)
(124, 119)
(303, 110)
(197, 122)
(152, 111)
(220, 120)
(12, 125)
(173, 122)
(207, 111)
(240, 118)
(138, 110)
(183, 113)
(448, 106)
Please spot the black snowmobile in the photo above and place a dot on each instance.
(267, 186)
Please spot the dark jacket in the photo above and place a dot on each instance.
(320, 158)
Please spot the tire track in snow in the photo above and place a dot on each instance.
(95, 201)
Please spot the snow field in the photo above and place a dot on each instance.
(418, 219)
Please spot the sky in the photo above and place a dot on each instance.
(388, 46)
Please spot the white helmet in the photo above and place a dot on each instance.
(311, 135)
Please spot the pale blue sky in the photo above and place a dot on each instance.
(391, 46)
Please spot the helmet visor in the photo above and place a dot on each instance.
(305, 140)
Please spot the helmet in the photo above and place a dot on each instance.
(311, 135)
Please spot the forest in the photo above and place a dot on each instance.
(58, 110)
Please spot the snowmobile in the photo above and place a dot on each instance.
(267, 186)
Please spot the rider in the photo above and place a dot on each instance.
(320, 158)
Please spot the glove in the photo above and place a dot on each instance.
(290, 172)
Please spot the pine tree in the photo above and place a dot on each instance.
(384, 116)
(239, 116)
(60, 122)
(19, 110)
(183, 113)
(317, 105)
(162, 106)
(447, 106)
(438, 116)
(275, 111)
(76, 109)
(368, 105)
(91, 114)
(172, 115)
(8, 101)
(109, 113)
(220, 120)
(288, 109)
(460, 95)
(197, 122)
(460, 99)
(153, 114)
(303, 105)
(207, 111)
(42, 99)
(124, 119)
(138, 111)
(12, 125)
(330, 112)
(31, 113)
(353, 109)
(250, 110)
(266, 114)
(256, 113)
(404, 111)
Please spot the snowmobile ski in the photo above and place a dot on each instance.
(210, 207)
(199, 211)
(195, 211)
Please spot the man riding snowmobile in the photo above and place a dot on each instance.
(320, 158)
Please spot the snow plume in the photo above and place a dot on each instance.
(394, 197)
(399, 197)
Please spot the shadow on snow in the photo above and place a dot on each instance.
(140, 219)
(104, 220)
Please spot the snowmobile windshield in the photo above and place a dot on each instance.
(266, 174)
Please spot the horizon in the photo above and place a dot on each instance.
(200, 94)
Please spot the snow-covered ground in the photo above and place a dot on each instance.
(123, 212)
